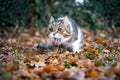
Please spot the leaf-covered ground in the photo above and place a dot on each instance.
(99, 59)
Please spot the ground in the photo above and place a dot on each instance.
(99, 59)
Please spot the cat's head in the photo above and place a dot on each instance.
(59, 30)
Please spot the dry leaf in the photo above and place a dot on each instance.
(92, 73)
(100, 41)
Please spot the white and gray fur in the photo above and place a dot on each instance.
(76, 35)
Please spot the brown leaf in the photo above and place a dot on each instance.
(92, 73)
(100, 41)
(89, 49)
(50, 69)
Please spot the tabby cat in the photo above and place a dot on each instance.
(66, 33)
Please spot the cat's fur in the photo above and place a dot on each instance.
(65, 32)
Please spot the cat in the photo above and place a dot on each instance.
(66, 33)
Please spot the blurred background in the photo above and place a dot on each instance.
(93, 14)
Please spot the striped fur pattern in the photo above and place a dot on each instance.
(65, 32)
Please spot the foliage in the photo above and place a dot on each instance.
(93, 13)
(45, 9)
(21, 59)
(84, 16)
(108, 9)
(13, 12)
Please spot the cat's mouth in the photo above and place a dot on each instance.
(57, 41)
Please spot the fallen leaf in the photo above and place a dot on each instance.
(100, 41)
(92, 73)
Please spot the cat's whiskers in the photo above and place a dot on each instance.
(65, 32)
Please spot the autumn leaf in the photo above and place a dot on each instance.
(100, 41)
(89, 49)
(21, 59)
(92, 73)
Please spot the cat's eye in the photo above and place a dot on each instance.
(51, 29)
(59, 29)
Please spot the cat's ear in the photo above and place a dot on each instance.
(51, 19)
(66, 20)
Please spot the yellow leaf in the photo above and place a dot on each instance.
(92, 73)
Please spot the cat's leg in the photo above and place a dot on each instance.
(76, 46)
